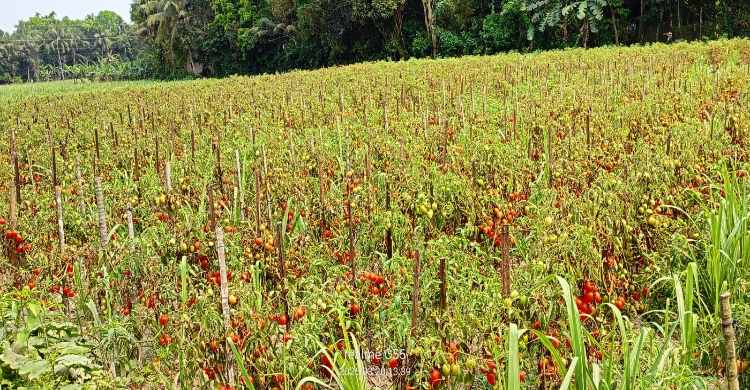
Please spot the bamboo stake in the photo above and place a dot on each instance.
(17, 175)
(265, 180)
(103, 234)
(211, 211)
(443, 286)
(388, 232)
(352, 258)
(415, 296)
(588, 129)
(224, 297)
(239, 184)
(730, 359)
(12, 194)
(505, 267)
(257, 202)
(81, 202)
(549, 154)
(282, 274)
(168, 173)
(131, 231)
(322, 201)
(385, 115)
(192, 144)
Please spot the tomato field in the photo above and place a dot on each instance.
(566, 219)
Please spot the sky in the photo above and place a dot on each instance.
(11, 11)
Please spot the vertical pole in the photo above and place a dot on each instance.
(17, 178)
(103, 234)
(388, 232)
(12, 193)
(352, 258)
(415, 296)
(224, 296)
(282, 274)
(81, 202)
(730, 360)
(239, 184)
(443, 285)
(211, 211)
(168, 169)
(131, 231)
(257, 202)
(505, 267)
(322, 201)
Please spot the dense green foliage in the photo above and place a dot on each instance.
(179, 38)
(197, 234)
(45, 48)
(265, 36)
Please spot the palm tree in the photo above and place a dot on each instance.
(32, 44)
(160, 19)
(77, 42)
(57, 39)
(101, 42)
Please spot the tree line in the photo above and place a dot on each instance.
(46, 48)
(179, 38)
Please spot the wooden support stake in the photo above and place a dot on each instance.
(13, 223)
(385, 116)
(168, 170)
(549, 154)
(415, 296)
(96, 140)
(505, 267)
(211, 211)
(17, 179)
(352, 258)
(60, 229)
(192, 144)
(323, 226)
(282, 274)
(443, 286)
(131, 231)
(388, 232)
(669, 141)
(588, 130)
(265, 180)
(730, 359)
(81, 202)
(257, 203)
(239, 184)
(224, 298)
(103, 233)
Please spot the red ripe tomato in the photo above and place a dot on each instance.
(434, 377)
(522, 376)
(282, 320)
(491, 379)
(163, 319)
(588, 297)
(393, 363)
(355, 309)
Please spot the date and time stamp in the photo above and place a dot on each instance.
(380, 369)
